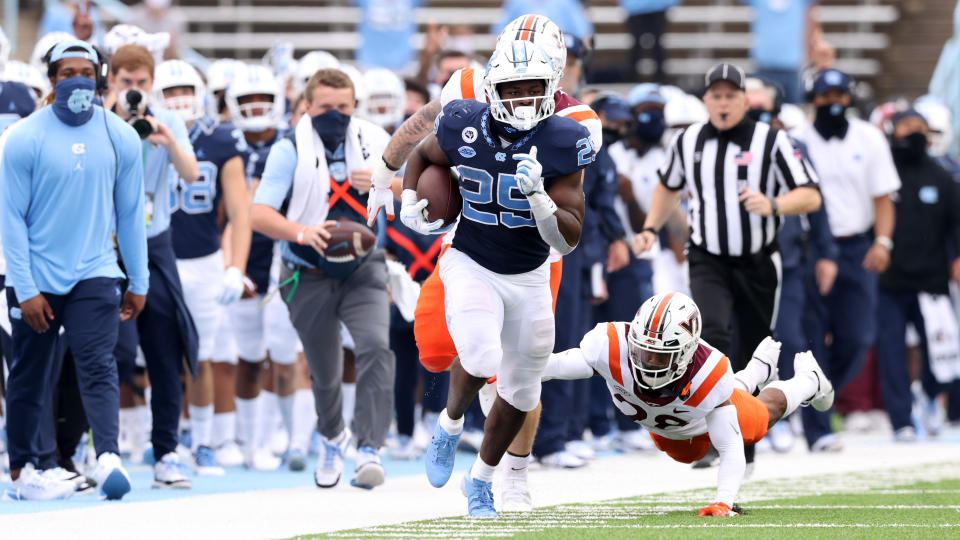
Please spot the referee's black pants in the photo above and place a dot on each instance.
(741, 293)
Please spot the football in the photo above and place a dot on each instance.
(438, 186)
(349, 241)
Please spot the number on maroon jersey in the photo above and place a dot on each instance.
(665, 421)
(639, 414)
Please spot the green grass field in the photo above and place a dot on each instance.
(876, 505)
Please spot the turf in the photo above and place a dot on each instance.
(868, 506)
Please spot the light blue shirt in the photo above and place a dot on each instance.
(638, 7)
(385, 31)
(276, 184)
(156, 176)
(567, 14)
(779, 33)
(64, 195)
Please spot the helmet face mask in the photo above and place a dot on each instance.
(517, 61)
(255, 115)
(172, 78)
(662, 340)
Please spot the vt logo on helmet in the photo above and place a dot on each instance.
(663, 338)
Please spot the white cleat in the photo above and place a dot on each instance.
(768, 354)
(562, 460)
(262, 460)
(581, 449)
(330, 462)
(170, 473)
(229, 455)
(32, 485)
(111, 477)
(515, 496)
(822, 400)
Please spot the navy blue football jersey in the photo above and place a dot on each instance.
(261, 246)
(16, 102)
(194, 206)
(496, 228)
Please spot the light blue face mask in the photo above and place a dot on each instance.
(74, 100)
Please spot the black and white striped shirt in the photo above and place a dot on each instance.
(715, 166)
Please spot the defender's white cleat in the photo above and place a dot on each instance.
(823, 399)
(515, 496)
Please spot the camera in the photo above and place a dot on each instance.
(133, 102)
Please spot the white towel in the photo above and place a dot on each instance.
(311, 179)
(943, 336)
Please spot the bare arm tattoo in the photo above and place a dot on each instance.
(410, 133)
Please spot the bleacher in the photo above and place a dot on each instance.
(700, 32)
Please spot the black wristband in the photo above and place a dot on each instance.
(650, 229)
(774, 209)
(389, 166)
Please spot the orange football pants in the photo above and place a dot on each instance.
(752, 415)
(436, 347)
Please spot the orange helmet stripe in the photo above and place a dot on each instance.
(657, 319)
(466, 84)
(524, 34)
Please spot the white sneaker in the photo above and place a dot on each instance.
(581, 449)
(229, 455)
(602, 443)
(823, 399)
(634, 440)
(81, 484)
(262, 460)
(369, 471)
(35, 486)
(562, 460)
(170, 473)
(330, 462)
(906, 434)
(515, 495)
(111, 477)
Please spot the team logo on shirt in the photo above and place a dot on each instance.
(469, 134)
(929, 194)
(79, 148)
(500, 156)
(80, 100)
(466, 151)
(338, 170)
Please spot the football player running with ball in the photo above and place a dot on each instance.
(520, 172)
(660, 373)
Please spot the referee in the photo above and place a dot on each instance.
(740, 176)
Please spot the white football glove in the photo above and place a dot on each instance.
(231, 286)
(413, 213)
(529, 172)
(381, 194)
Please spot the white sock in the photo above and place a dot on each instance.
(797, 390)
(752, 375)
(349, 402)
(145, 417)
(128, 423)
(201, 418)
(267, 421)
(285, 405)
(304, 420)
(451, 426)
(224, 429)
(248, 413)
(515, 466)
(482, 471)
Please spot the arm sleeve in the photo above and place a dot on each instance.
(671, 171)
(569, 364)
(277, 175)
(724, 430)
(16, 181)
(792, 171)
(131, 225)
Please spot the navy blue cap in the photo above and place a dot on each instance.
(909, 113)
(575, 45)
(724, 72)
(613, 106)
(829, 79)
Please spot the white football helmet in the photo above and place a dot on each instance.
(129, 34)
(311, 63)
(177, 73)
(28, 75)
(684, 110)
(520, 61)
(220, 74)
(940, 121)
(386, 99)
(43, 46)
(360, 92)
(666, 325)
(541, 31)
(250, 80)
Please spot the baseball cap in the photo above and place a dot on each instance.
(61, 51)
(829, 79)
(724, 72)
(575, 45)
(645, 93)
(613, 106)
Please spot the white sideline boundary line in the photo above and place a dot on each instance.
(652, 477)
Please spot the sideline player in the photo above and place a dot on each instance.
(210, 280)
(498, 301)
(663, 376)
(437, 350)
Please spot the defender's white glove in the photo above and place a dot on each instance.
(529, 172)
(381, 194)
(231, 286)
(413, 213)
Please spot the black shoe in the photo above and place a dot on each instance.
(711, 458)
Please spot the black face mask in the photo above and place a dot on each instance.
(649, 125)
(831, 120)
(910, 148)
(760, 115)
(331, 126)
(611, 136)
